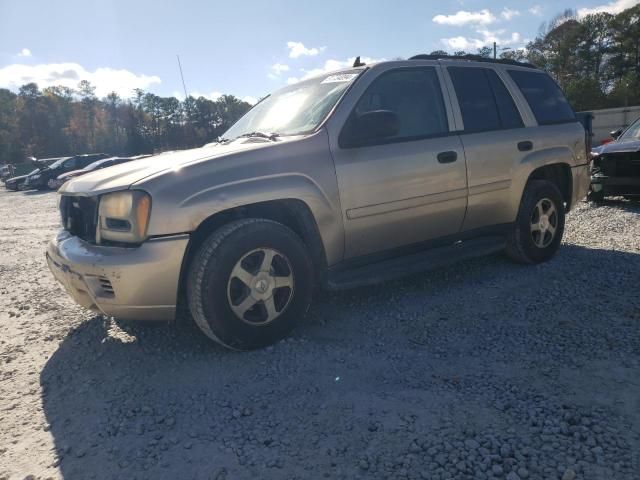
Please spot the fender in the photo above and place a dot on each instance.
(297, 168)
(292, 186)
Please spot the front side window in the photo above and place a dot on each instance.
(546, 100)
(414, 96)
(484, 101)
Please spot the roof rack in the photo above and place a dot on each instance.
(473, 58)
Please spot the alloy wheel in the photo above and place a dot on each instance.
(260, 286)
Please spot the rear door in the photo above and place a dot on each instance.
(494, 137)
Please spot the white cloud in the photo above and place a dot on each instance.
(250, 100)
(614, 7)
(277, 69)
(487, 37)
(462, 17)
(105, 79)
(508, 14)
(536, 10)
(292, 80)
(297, 49)
(25, 52)
(462, 43)
(213, 96)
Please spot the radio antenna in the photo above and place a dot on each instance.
(184, 86)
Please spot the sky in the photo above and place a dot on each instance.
(246, 48)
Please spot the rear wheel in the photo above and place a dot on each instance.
(250, 284)
(539, 227)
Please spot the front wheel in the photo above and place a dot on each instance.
(249, 284)
(539, 226)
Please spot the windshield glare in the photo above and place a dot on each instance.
(57, 163)
(632, 133)
(296, 109)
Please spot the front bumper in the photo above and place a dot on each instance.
(138, 283)
(615, 185)
(54, 183)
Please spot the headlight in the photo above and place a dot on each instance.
(123, 216)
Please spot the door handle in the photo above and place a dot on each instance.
(447, 157)
(525, 146)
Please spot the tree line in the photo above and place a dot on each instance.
(58, 121)
(595, 59)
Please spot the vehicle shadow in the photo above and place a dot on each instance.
(629, 204)
(126, 400)
(36, 192)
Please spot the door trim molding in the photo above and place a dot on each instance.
(405, 204)
(489, 187)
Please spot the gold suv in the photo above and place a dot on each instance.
(342, 180)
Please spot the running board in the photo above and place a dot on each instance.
(398, 267)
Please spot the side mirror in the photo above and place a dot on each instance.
(616, 133)
(376, 124)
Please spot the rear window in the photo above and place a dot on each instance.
(484, 101)
(545, 98)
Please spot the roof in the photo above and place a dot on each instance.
(473, 58)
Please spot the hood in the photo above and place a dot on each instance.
(120, 177)
(72, 173)
(17, 179)
(618, 147)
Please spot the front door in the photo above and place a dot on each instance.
(412, 186)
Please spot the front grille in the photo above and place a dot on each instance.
(79, 216)
(621, 165)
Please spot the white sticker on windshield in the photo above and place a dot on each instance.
(341, 77)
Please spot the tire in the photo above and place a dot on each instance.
(216, 295)
(529, 242)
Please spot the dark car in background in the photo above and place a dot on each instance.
(615, 167)
(40, 180)
(55, 183)
(15, 175)
(17, 183)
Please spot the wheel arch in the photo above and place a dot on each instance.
(554, 165)
(293, 213)
(558, 174)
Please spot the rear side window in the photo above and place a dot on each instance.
(484, 101)
(545, 98)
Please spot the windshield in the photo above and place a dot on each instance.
(631, 133)
(295, 109)
(94, 165)
(57, 163)
(34, 172)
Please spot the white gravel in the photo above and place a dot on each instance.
(482, 370)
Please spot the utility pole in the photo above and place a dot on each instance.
(494, 51)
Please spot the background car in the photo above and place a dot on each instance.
(40, 180)
(17, 183)
(615, 168)
(100, 164)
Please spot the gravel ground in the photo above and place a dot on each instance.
(482, 370)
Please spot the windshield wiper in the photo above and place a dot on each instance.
(270, 136)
